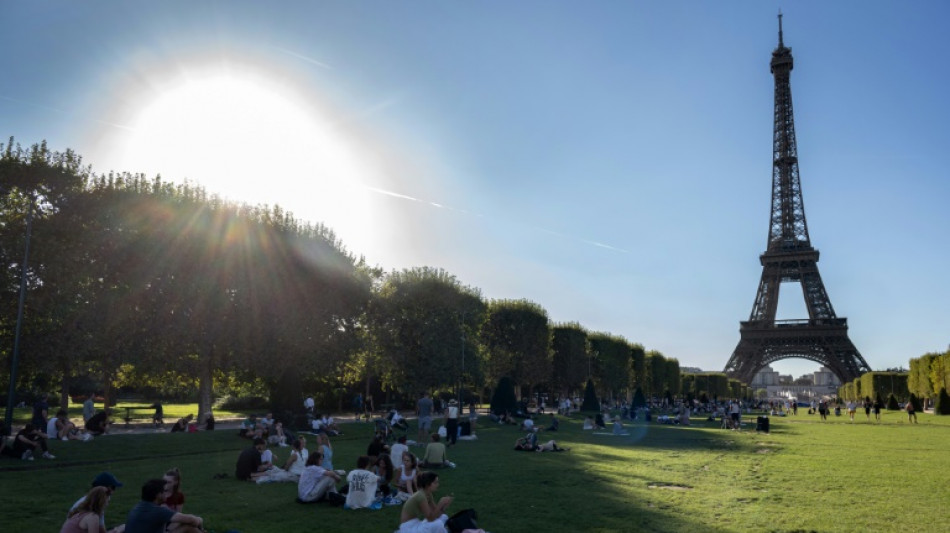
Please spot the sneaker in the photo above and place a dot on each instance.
(65, 438)
(27, 456)
(340, 473)
(47, 455)
(450, 463)
(87, 437)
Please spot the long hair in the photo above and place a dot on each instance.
(387, 464)
(175, 474)
(94, 502)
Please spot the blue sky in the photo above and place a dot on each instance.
(610, 161)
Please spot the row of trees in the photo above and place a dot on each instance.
(927, 381)
(136, 281)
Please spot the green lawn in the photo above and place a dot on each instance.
(803, 476)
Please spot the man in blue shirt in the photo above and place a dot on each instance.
(148, 516)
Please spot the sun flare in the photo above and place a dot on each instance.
(250, 139)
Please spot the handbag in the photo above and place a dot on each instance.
(462, 520)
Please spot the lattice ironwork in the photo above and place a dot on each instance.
(789, 257)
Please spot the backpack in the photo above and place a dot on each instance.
(462, 520)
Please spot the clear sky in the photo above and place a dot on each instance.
(610, 161)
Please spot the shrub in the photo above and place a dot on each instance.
(892, 404)
(942, 406)
(590, 398)
(241, 403)
(504, 398)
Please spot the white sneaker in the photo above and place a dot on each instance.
(65, 438)
(27, 456)
(340, 473)
(48, 455)
(450, 463)
(86, 436)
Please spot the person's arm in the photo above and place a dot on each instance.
(433, 512)
(190, 519)
(331, 473)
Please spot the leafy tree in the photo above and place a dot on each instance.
(423, 321)
(570, 346)
(613, 356)
(516, 337)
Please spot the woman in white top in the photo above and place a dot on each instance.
(407, 473)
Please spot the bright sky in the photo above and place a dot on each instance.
(610, 161)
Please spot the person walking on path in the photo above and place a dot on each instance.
(424, 413)
(851, 410)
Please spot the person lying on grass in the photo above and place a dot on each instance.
(421, 513)
(529, 443)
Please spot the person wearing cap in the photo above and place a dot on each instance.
(148, 516)
(110, 483)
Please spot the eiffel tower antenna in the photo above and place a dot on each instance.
(789, 257)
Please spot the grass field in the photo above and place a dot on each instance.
(803, 476)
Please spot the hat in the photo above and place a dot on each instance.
(106, 479)
(453, 402)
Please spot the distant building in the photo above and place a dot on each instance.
(807, 387)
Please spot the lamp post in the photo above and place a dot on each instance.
(8, 419)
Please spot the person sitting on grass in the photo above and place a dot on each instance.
(28, 443)
(250, 429)
(599, 422)
(277, 435)
(435, 456)
(527, 424)
(588, 423)
(99, 423)
(398, 449)
(89, 515)
(149, 516)
(555, 423)
(377, 446)
(384, 470)
(421, 513)
(362, 486)
(324, 447)
(63, 428)
(316, 481)
(292, 468)
(408, 474)
(174, 497)
(110, 483)
(249, 466)
(181, 425)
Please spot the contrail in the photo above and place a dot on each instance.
(302, 57)
(63, 111)
(544, 230)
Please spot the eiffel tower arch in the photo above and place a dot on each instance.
(789, 257)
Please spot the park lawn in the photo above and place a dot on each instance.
(142, 411)
(803, 476)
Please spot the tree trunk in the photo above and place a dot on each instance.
(205, 386)
(64, 392)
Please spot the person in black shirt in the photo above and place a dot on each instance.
(249, 462)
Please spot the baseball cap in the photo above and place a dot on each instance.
(105, 479)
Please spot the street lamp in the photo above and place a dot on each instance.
(8, 419)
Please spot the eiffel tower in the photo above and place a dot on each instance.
(822, 337)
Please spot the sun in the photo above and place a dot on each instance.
(246, 136)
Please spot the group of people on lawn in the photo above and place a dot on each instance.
(33, 440)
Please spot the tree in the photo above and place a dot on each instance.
(423, 321)
(613, 356)
(570, 346)
(516, 337)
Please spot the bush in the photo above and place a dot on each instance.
(590, 399)
(942, 406)
(892, 404)
(504, 398)
(241, 403)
